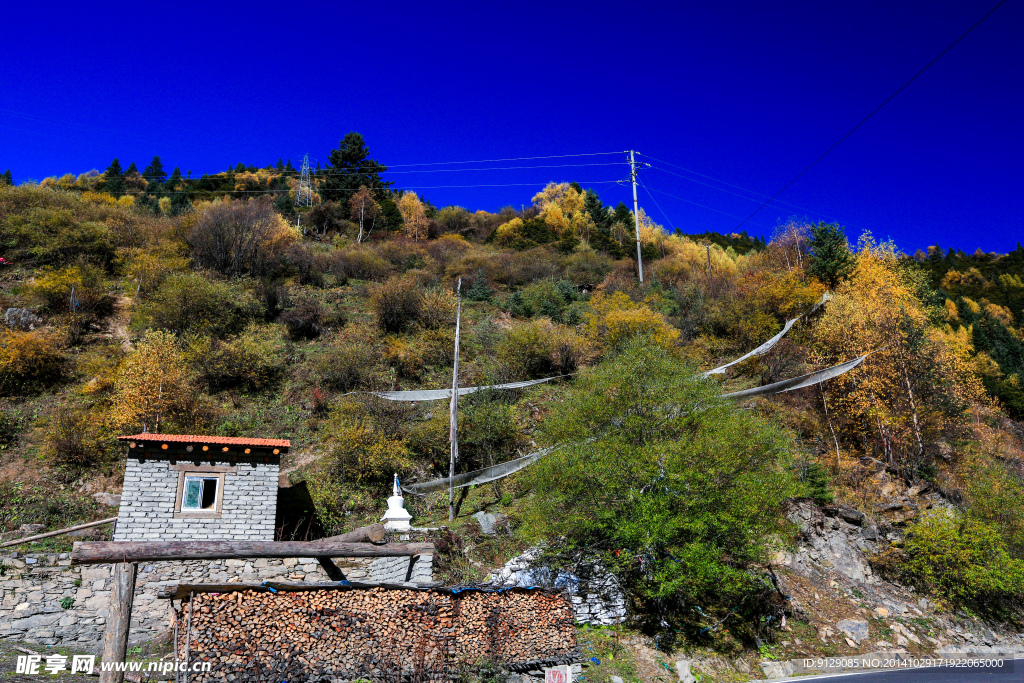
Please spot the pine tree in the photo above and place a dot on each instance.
(6, 178)
(132, 168)
(155, 172)
(240, 167)
(831, 260)
(349, 167)
(279, 166)
(115, 179)
(593, 206)
(175, 179)
(623, 214)
(288, 167)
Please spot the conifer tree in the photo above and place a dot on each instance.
(288, 167)
(132, 168)
(6, 178)
(279, 166)
(593, 206)
(175, 179)
(115, 179)
(240, 167)
(831, 260)
(155, 172)
(350, 167)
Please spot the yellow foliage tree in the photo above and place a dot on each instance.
(414, 216)
(154, 388)
(918, 383)
(614, 319)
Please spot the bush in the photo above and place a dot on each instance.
(308, 262)
(359, 262)
(305, 321)
(29, 361)
(682, 503)
(53, 289)
(252, 359)
(586, 268)
(959, 558)
(189, 302)
(548, 298)
(397, 304)
(437, 309)
(347, 362)
(357, 454)
(72, 438)
(55, 236)
(241, 238)
(541, 348)
(10, 428)
(615, 320)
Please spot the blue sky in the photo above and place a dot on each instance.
(746, 94)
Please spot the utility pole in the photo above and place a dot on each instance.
(636, 216)
(453, 429)
(304, 193)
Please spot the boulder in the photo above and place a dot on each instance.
(21, 319)
(488, 522)
(855, 629)
(29, 529)
(108, 499)
(776, 670)
(683, 671)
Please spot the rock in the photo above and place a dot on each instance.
(28, 529)
(616, 679)
(683, 670)
(776, 670)
(856, 629)
(488, 522)
(881, 612)
(21, 319)
(852, 516)
(869, 533)
(741, 665)
(108, 499)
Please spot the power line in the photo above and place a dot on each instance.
(412, 187)
(873, 112)
(688, 201)
(376, 169)
(667, 219)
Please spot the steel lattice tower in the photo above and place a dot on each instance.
(304, 193)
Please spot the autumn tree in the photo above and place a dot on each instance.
(240, 238)
(414, 215)
(916, 385)
(365, 211)
(831, 259)
(153, 388)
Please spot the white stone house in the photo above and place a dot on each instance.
(182, 487)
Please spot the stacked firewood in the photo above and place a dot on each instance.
(381, 634)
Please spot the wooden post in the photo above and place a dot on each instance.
(119, 619)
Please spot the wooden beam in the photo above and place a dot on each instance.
(27, 539)
(181, 591)
(100, 552)
(374, 533)
(119, 618)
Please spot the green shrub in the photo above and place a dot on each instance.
(189, 302)
(995, 494)
(347, 361)
(540, 348)
(397, 304)
(677, 489)
(55, 236)
(958, 558)
(586, 267)
(10, 428)
(29, 361)
(251, 359)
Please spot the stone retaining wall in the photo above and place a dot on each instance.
(33, 586)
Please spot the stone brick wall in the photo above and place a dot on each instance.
(147, 512)
(32, 587)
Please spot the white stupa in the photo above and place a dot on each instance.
(397, 517)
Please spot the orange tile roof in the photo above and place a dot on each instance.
(217, 440)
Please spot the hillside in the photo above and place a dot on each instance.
(140, 301)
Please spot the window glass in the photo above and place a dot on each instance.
(200, 493)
